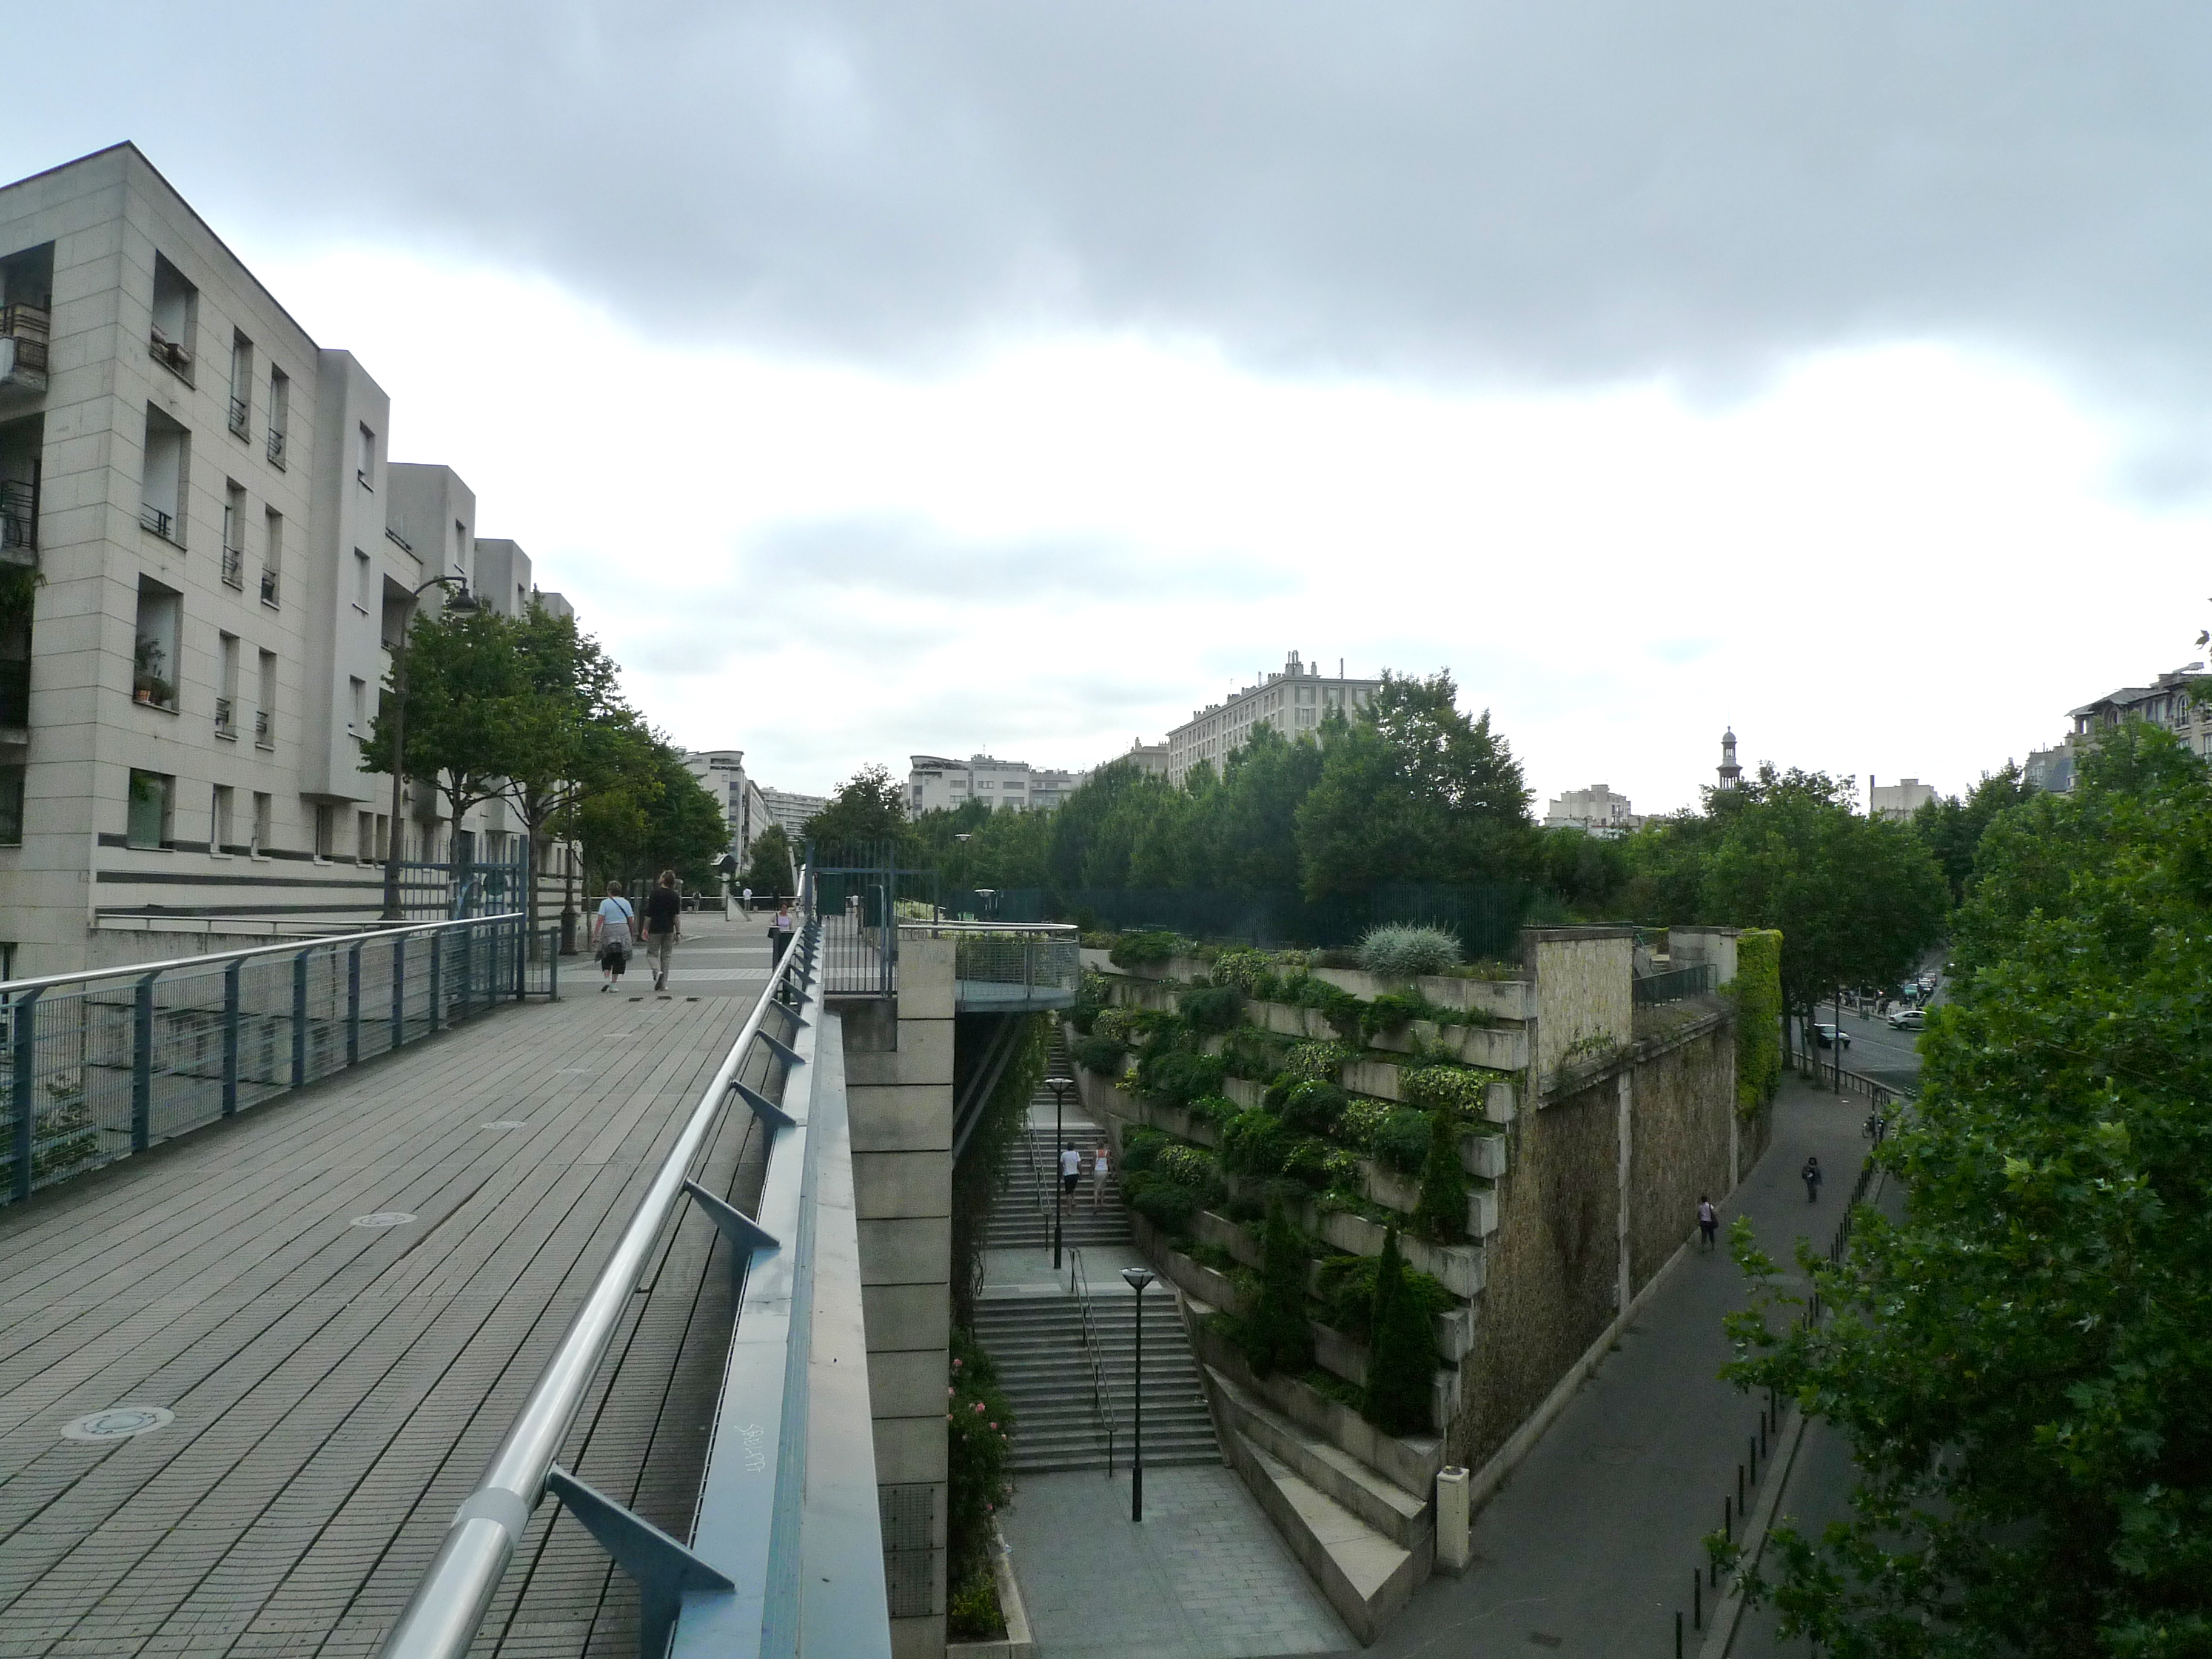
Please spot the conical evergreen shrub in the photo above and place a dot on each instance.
(1441, 1215)
(1401, 1356)
(1276, 1336)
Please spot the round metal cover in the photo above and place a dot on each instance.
(120, 1423)
(383, 1218)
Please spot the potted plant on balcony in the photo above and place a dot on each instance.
(146, 684)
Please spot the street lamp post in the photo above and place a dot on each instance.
(1060, 1086)
(1837, 1048)
(1138, 1277)
(460, 602)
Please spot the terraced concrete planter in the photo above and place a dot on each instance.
(1497, 1047)
(1017, 1643)
(1458, 1267)
(1501, 998)
(1403, 1193)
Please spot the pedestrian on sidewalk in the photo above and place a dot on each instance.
(779, 932)
(612, 929)
(664, 926)
(1811, 1176)
(1708, 1222)
(1071, 1171)
(1099, 1170)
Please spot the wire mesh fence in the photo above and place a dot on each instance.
(1675, 984)
(95, 1066)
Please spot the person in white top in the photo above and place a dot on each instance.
(1709, 1221)
(1099, 1170)
(1071, 1171)
(610, 931)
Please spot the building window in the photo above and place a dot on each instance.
(357, 712)
(233, 533)
(241, 383)
(280, 415)
(326, 832)
(364, 837)
(153, 655)
(265, 814)
(164, 476)
(11, 805)
(264, 712)
(361, 575)
(226, 691)
(222, 825)
(365, 470)
(148, 824)
(383, 837)
(272, 556)
(176, 308)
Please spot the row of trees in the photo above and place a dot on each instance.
(529, 710)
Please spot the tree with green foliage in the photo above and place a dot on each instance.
(867, 809)
(468, 689)
(1413, 790)
(1440, 1215)
(2020, 1364)
(768, 864)
(1589, 874)
(1401, 1352)
(1951, 829)
(1275, 1335)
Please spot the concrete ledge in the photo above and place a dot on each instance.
(1367, 1578)
(1017, 1643)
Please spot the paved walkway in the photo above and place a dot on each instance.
(333, 1305)
(1589, 1548)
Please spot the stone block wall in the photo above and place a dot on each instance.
(1584, 1004)
(1679, 1107)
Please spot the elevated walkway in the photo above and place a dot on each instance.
(247, 1376)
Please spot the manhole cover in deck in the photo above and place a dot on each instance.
(382, 1218)
(120, 1423)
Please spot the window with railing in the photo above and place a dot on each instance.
(224, 726)
(19, 514)
(268, 585)
(26, 325)
(233, 566)
(276, 449)
(240, 411)
(167, 461)
(176, 301)
(263, 728)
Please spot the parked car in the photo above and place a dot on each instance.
(1909, 1020)
(1830, 1036)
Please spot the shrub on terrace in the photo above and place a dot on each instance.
(1348, 1294)
(1399, 950)
(1216, 1109)
(1102, 1054)
(1315, 1165)
(1091, 1001)
(1440, 1217)
(1400, 1140)
(1313, 1107)
(979, 1423)
(1252, 972)
(1192, 1167)
(1144, 949)
(1254, 1143)
(1176, 1078)
(1166, 1203)
(1210, 1007)
(1319, 1062)
(1141, 1146)
(1274, 1335)
(1446, 1088)
(1401, 1353)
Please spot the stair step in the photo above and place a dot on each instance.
(1367, 1577)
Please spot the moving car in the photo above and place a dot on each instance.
(1830, 1036)
(1909, 1020)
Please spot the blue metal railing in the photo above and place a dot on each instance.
(786, 1556)
(96, 1066)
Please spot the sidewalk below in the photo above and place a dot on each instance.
(1590, 1545)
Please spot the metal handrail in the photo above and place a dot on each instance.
(9, 989)
(441, 1618)
(1079, 1286)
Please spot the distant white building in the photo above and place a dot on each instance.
(1595, 809)
(1293, 702)
(723, 773)
(790, 812)
(937, 783)
(1900, 800)
(2170, 701)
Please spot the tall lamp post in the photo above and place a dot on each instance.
(461, 604)
(1060, 1086)
(1138, 1279)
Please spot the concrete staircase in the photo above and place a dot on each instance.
(1021, 1219)
(1036, 1342)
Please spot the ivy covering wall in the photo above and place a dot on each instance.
(1758, 1017)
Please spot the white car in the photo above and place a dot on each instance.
(1909, 1020)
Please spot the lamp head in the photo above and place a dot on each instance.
(460, 602)
(1138, 1277)
(1060, 1084)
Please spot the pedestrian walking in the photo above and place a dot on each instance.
(779, 932)
(1071, 1171)
(611, 928)
(1099, 1169)
(749, 901)
(1708, 1222)
(664, 926)
(1811, 1176)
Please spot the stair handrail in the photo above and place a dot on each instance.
(1078, 1286)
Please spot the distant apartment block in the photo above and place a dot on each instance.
(722, 772)
(2169, 701)
(210, 551)
(1900, 800)
(1293, 702)
(1596, 810)
(790, 812)
(936, 783)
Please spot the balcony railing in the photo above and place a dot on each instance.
(1008, 966)
(163, 525)
(1675, 986)
(233, 566)
(276, 447)
(268, 585)
(225, 726)
(170, 354)
(241, 413)
(26, 325)
(15, 696)
(19, 515)
(262, 728)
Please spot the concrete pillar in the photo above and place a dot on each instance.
(898, 1069)
(1454, 1540)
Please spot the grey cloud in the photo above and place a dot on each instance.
(1563, 192)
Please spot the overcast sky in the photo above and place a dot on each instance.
(884, 379)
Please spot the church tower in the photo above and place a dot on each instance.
(1731, 775)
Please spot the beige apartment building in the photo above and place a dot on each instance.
(208, 551)
(1295, 700)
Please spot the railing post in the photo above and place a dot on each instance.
(23, 1066)
(468, 939)
(437, 975)
(231, 1012)
(300, 1019)
(398, 989)
(352, 1004)
(142, 1065)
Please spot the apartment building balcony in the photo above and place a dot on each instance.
(265, 730)
(162, 524)
(234, 567)
(23, 348)
(170, 354)
(276, 447)
(240, 413)
(14, 703)
(225, 719)
(19, 521)
(268, 585)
